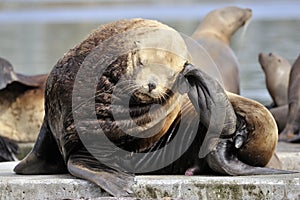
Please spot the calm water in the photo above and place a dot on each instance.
(35, 35)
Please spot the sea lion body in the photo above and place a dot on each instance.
(214, 34)
(277, 72)
(292, 126)
(131, 101)
(131, 70)
(280, 115)
(21, 104)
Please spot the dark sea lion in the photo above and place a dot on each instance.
(277, 73)
(214, 34)
(115, 106)
(21, 107)
(8, 76)
(293, 120)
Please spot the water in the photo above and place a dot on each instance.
(35, 34)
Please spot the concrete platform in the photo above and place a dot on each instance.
(289, 154)
(14, 186)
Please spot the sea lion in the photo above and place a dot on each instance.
(21, 106)
(280, 114)
(214, 35)
(277, 72)
(293, 120)
(115, 104)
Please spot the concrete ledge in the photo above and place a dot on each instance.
(14, 186)
(289, 154)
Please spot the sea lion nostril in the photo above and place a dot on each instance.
(151, 86)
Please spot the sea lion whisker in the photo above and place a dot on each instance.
(129, 87)
(123, 82)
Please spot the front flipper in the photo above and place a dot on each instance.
(83, 165)
(209, 99)
(45, 157)
(223, 159)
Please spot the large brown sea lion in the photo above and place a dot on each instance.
(292, 126)
(115, 106)
(277, 73)
(214, 35)
(21, 107)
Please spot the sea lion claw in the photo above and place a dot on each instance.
(239, 141)
(241, 137)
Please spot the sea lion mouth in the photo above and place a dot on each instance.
(139, 98)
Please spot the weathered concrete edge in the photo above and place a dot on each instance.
(289, 154)
(221, 187)
(14, 186)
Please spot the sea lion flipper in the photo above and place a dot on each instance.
(112, 181)
(223, 160)
(45, 157)
(296, 139)
(8, 149)
(209, 99)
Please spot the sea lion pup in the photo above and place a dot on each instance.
(293, 120)
(214, 35)
(115, 106)
(277, 73)
(22, 108)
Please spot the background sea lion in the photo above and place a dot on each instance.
(280, 115)
(134, 105)
(214, 34)
(277, 73)
(293, 119)
(21, 107)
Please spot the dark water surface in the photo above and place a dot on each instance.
(35, 34)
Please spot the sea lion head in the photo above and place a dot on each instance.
(224, 22)
(271, 62)
(139, 64)
(157, 73)
(7, 74)
(158, 55)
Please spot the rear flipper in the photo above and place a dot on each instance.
(83, 165)
(222, 159)
(296, 139)
(45, 157)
